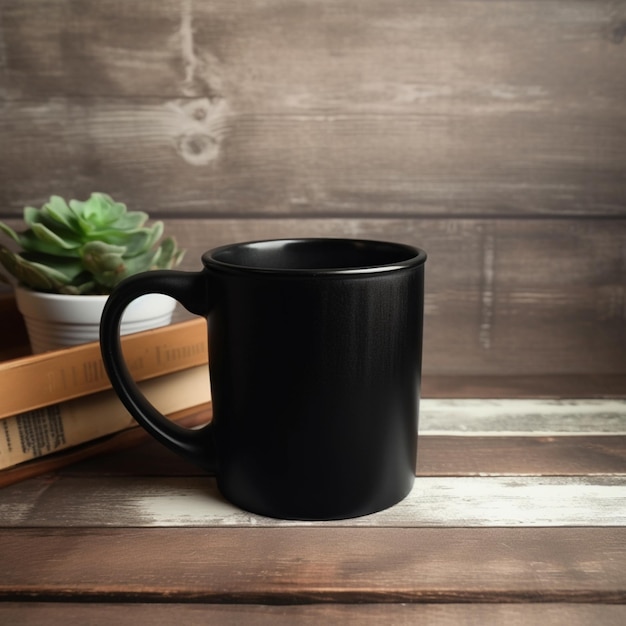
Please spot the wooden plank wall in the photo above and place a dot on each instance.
(492, 133)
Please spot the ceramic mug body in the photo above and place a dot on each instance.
(315, 363)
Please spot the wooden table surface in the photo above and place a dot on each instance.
(518, 516)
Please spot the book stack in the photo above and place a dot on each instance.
(58, 407)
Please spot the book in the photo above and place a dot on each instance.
(120, 441)
(29, 382)
(56, 427)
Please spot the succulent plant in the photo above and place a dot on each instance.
(85, 247)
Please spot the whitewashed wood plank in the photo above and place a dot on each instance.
(514, 501)
(524, 417)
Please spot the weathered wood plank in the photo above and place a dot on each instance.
(183, 48)
(355, 165)
(196, 614)
(524, 417)
(510, 501)
(502, 296)
(547, 386)
(483, 438)
(533, 456)
(292, 565)
(446, 107)
(438, 456)
(476, 437)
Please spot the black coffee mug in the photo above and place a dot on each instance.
(315, 365)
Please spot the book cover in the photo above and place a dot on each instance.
(190, 418)
(56, 427)
(30, 382)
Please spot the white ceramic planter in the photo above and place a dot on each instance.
(56, 321)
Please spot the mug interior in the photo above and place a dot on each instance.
(316, 255)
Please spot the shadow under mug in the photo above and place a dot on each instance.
(315, 364)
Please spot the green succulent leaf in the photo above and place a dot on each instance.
(97, 254)
(58, 212)
(58, 217)
(135, 241)
(131, 220)
(31, 215)
(142, 263)
(170, 256)
(105, 262)
(7, 230)
(85, 247)
(43, 274)
(45, 235)
(31, 243)
(99, 210)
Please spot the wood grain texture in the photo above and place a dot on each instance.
(155, 538)
(104, 614)
(441, 502)
(505, 107)
(523, 417)
(438, 456)
(561, 476)
(542, 456)
(343, 38)
(585, 385)
(488, 132)
(303, 165)
(503, 297)
(294, 565)
(466, 437)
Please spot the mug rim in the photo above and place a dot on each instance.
(408, 257)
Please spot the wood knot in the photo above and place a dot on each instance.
(200, 127)
(197, 149)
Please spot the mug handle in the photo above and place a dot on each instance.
(190, 289)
